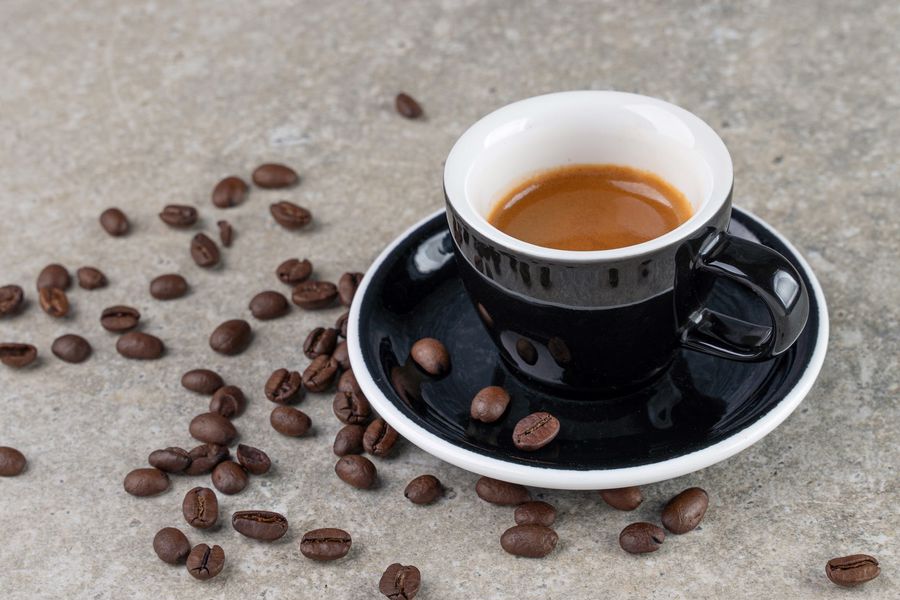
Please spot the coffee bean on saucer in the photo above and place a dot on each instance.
(168, 287)
(253, 459)
(54, 276)
(204, 562)
(289, 421)
(228, 401)
(380, 438)
(16, 355)
(347, 286)
(114, 222)
(140, 346)
(90, 278)
(170, 460)
(294, 271)
(431, 356)
(226, 233)
(313, 295)
(289, 215)
(204, 251)
(146, 482)
(325, 544)
(229, 192)
(535, 431)
(205, 457)
(12, 462)
(530, 541)
(320, 374)
(269, 305)
(171, 545)
(231, 337)
(853, 570)
(357, 471)
(347, 382)
(685, 511)
(489, 404)
(212, 428)
(262, 525)
(535, 513)
(627, 498)
(640, 538)
(342, 355)
(200, 508)
(202, 381)
(229, 477)
(341, 323)
(53, 301)
(11, 299)
(351, 408)
(284, 386)
(320, 340)
(501, 493)
(349, 440)
(407, 106)
(71, 348)
(400, 582)
(179, 216)
(119, 318)
(424, 489)
(274, 176)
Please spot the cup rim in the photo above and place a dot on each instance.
(462, 156)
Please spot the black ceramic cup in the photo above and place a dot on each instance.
(609, 320)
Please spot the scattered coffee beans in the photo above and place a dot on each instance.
(171, 545)
(341, 323)
(204, 562)
(501, 492)
(231, 337)
(71, 348)
(320, 341)
(284, 386)
(212, 428)
(140, 346)
(347, 382)
(431, 356)
(204, 251)
(535, 513)
(342, 355)
(685, 511)
(627, 498)
(12, 462)
(289, 215)
(347, 286)
(489, 404)
(179, 216)
(294, 271)
(400, 582)
(325, 544)
(351, 408)
(200, 508)
(260, 525)
(16, 355)
(268, 305)
(114, 222)
(640, 538)
(90, 278)
(274, 176)
(424, 489)
(229, 192)
(204, 458)
(54, 276)
(530, 541)
(168, 287)
(289, 421)
(535, 431)
(170, 460)
(313, 295)
(119, 318)
(53, 301)
(357, 471)
(349, 440)
(146, 482)
(380, 438)
(11, 298)
(228, 401)
(226, 233)
(320, 374)
(407, 106)
(253, 459)
(849, 571)
(202, 381)
(229, 477)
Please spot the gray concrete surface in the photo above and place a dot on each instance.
(139, 104)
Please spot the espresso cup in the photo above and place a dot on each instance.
(609, 320)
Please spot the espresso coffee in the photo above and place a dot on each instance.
(590, 207)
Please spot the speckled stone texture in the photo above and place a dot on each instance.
(139, 104)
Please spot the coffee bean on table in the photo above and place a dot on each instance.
(342, 355)
(170, 460)
(535, 513)
(17, 355)
(320, 340)
(347, 285)
(171, 545)
(212, 428)
(627, 498)
(314, 295)
(685, 511)
(489, 404)
(289, 215)
(228, 401)
(349, 440)
(289, 421)
(530, 541)
(407, 106)
(294, 271)
(501, 492)
(114, 222)
(400, 582)
(284, 386)
(53, 301)
(204, 562)
(341, 323)
(357, 471)
(380, 438)
(119, 318)
(640, 538)
(347, 382)
(853, 570)
(71, 348)
(200, 508)
(274, 176)
(12, 462)
(253, 459)
(325, 544)
(205, 457)
(269, 305)
(180, 216)
(226, 233)
(11, 298)
(204, 251)
(424, 489)
(260, 525)
(168, 287)
(202, 381)
(229, 192)
(229, 477)
(140, 346)
(90, 278)
(351, 408)
(320, 374)
(231, 337)
(146, 482)
(431, 356)
(535, 431)
(54, 276)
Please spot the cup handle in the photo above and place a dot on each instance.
(771, 277)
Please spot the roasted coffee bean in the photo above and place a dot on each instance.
(179, 216)
(231, 337)
(349, 440)
(139, 345)
(347, 286)
(253, 459)
(90, 278)
(535, 431)
(229, 192)
(16, 355)
(849, 571)
(202, 381)
(12, 462)
(342, 355)
(212, 428)
(226, 233)
(229, 477)
(489, 404)
(11, 298)
(320, 374)
(119, 318)
(351, 408)
(146, 482)
(347, 382)
(170, 460)
(313, 295)
(320, 341)
(535, 513)
(71, 348)
(501, 492)
(204, 251)
(114, 222)
(204, 458)
(168, 287)
(627, 498)
(289, 215)
(424, 489)
(341, 323)
(200, 508)
(407, 106)
(284, 386)
(259, 524)
(325, 544)
(685, 511)
(431, 356)
(274, 176)
(171, 545)
(269, 305)
(380, 438)
(53, 301)
(204, 562)
(228, 401)
(289, 421)
(294, 271)
(54, 276)
(530, 541)
(400, 582)
(640, 538)
(356, 470)
(526, 351)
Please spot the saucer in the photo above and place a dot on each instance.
(702, 410)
